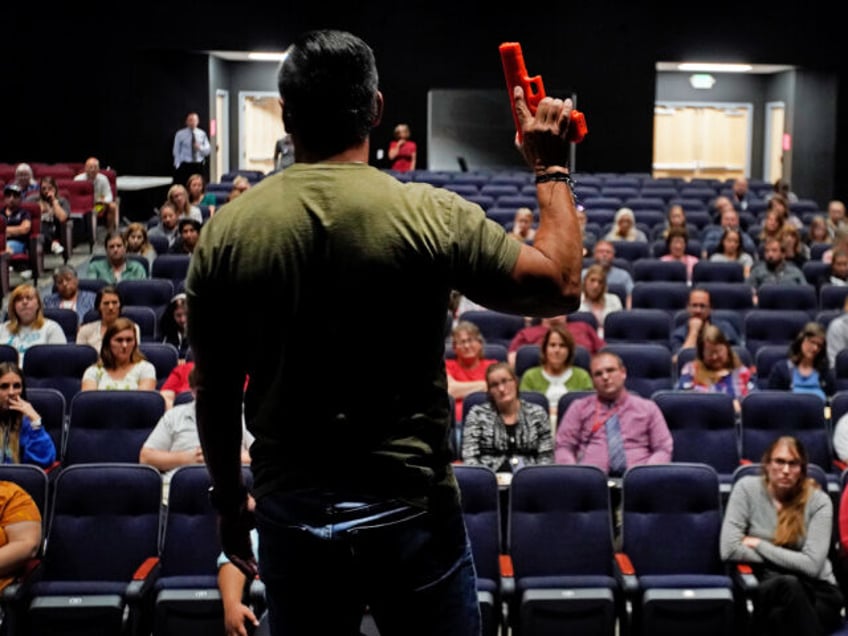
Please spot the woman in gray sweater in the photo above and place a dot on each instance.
(781, 525)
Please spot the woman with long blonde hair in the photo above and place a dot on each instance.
(780, 523)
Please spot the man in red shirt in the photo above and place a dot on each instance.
(584, 336)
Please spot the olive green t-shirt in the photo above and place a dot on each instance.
(328, 285)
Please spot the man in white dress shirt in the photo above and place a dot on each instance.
(191, 149)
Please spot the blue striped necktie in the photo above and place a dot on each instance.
(615, 443)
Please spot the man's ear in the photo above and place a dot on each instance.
(378, 109)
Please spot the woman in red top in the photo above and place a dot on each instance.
(402, 150)
(467, 371)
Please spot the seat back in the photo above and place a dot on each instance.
(703, 426)
(768, 414)
(51, 405)
(496, 327)
(649, 366)
(110, 426)
(162, 355)
(773, 326)
(155, 293)
(145, 318)
(104, 522)
(767, 356)
(644, 325)
(560, 522)
(706, 271)
(671, 519)
(58, 366)
(670, 296)
(479, 489)
(653, 269)
(171, 266)
(67, 318)
(33, 480)
(776, 296)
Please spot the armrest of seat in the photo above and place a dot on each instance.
(745, 578)
(625, 573)
(840, 465)
(143, 579)
(66, 237)
(507, 575)
(17, 589)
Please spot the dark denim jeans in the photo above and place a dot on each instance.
(324, 559)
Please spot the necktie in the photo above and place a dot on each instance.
(617, 459)
(191, 140)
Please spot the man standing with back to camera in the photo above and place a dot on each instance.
(356, 502)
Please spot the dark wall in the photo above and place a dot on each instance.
(122, 94)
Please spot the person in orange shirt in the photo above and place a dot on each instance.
(20, 530)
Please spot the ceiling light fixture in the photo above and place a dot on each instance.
(710, 67)
(267, 56)
(702, 80)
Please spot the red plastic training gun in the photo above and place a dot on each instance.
(534, 91)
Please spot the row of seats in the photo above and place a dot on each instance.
(652, 324)
(114, 560)
(560, 571)
(706, 429)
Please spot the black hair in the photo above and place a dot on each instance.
(328, 83)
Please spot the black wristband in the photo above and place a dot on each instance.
(555, 176)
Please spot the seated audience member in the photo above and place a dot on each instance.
(178, 196)
(772, 227)
(840, 242)
(25, 179)
(805, 370)
(172, 325)
(116, 266)
(231, 584)
(556, 374)
(837, 271)
(596, 299)
(740, 195)
(18, 221)
(27, 325)
(676, 242)
(522, 226)
(167, 225)
(699, 309)
(55, 210)
(604, 254)
(240, 184)
(583, 333)
(174, 442)
(20, 531)
(506, 432)
(107, 302)
(716, 368)
(188, 233)
(674, 218)
(624, 228)
(780, 204)
(794, 249)
(730, 250)
(817, 231)
(177, 382)
(774, 268)
(138, 242)
(837, 335)
(68, 295)
(23, 439)
(197, 194)
(728, 220)
(840, 447)
(780, 523)
(105, 205)
(613, 429)
(836, 218)
(467, 371)
(121, 367)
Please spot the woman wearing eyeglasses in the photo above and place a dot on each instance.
(506, 432)
(780, 523)
(23, 439)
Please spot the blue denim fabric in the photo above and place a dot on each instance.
(17, 247)
(324, 560)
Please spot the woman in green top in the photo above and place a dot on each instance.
(556, 374)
